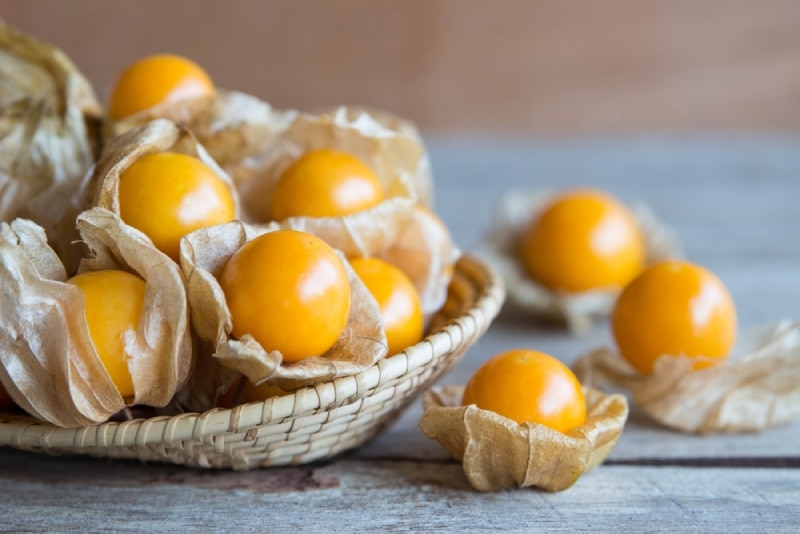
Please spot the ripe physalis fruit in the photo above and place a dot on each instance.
(583, 240)
(290, 291)
(398, 301)
(325, 183)
(528, 386)
(113, 302)
(674, 308)
(166, 195)
(157, 79)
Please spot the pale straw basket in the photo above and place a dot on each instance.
(313, 423)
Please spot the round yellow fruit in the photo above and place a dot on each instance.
(528, 386)
(290, 291)
(113, 303)
(583, 240)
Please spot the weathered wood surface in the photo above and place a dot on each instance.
(734, 204)
(350, 495)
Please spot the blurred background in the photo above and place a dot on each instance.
(550, 68)
(691, 106)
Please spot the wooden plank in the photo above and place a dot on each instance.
(47, 494)
(642, 441)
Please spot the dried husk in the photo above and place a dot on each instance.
(394, 158)
(232, 126)
(48, 122)
(498, 453)
(426, 253)
(160, 135)
(422, 178)
(577, 310)
(204, 254)
(49, 365)
(752, 390)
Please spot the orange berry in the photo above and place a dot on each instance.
(290, 291)
(156, 79)
(675, 308)
(398, 300)
(113, 302)
(325, 183)
(528, 386)
(166, 195)
(583, 240)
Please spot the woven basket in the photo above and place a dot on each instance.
(313, 423)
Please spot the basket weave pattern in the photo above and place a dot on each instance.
(313, 423)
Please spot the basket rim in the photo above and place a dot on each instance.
(24, 431)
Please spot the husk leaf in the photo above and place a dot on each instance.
(498, 453)
(394, 158)
(577, 310)
(48, 120)
(49, 364)
(204, 254)
(426, 253)
(750, 391)
(232, 126)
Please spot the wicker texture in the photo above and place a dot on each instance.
(313, 423)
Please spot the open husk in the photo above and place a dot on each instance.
(394, 158)
(426, 253)
(204, 254)
(497, 452)
(49, 365)
(160, 135)
(230, 125)
(48, 121)
(753, 389)
(578, 310)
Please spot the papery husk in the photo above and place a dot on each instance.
(160, 135)
(577, 310)
(498, 453)
(232, 126)
(48, 134)
(393, 157)
(204, 254)
(426, 253)
(49, 364)
(422, 178)
(755, 389)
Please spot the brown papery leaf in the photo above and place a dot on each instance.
(392, 156)
(230, 125)
(204, 254)
(578, 310)
(755, 389)
(48, 121)
(498, 453)
(49, 364)
(426, 253)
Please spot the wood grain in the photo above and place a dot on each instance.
(394, 496)
(733, 201)
(466, 65)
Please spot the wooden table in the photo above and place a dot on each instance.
(734, 202)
